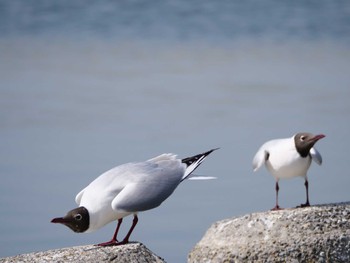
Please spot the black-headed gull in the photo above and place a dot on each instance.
(128, 189)
(289, 157)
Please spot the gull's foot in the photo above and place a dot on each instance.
(307, 204)
(276, 208)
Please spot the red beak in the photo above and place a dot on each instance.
(318, 137)
(60, 220)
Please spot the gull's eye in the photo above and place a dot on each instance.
(302, 138)
(78, 217)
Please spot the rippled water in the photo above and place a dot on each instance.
(85, 87)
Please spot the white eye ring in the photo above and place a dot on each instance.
(302, 138)
(78, 217)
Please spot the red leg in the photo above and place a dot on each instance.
(277, 207)
(114, 240)
(126, 238)
(307, 194)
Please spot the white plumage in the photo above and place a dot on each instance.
(128, 189)
(289, 157)
(284, 161)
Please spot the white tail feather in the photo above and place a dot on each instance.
(202, 178)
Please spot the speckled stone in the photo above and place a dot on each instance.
(315, 234)
(130, 253)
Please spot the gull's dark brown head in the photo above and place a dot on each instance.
(304, 141)
(77, 219)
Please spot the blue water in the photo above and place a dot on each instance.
(85, 86)
(185, 20)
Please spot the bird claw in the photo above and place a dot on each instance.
(304, 205)
(276, 208)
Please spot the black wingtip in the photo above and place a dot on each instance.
(192, 159)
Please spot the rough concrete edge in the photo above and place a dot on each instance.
(132, 252)
(255, 214)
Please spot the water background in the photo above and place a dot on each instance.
(85, 86)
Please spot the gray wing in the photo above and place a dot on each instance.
(155, 184)
(316, 156)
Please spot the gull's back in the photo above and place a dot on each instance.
(134, 187)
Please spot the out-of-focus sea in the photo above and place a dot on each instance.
(88, 85)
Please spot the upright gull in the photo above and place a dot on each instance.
(289, 157)
(128, 189)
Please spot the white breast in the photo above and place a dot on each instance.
(284, 161)
(99, 194)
